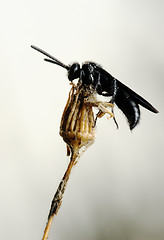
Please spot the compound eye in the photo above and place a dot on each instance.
(74, 71)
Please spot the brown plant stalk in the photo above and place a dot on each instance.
(57, 200)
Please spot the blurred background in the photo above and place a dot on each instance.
(116, 189)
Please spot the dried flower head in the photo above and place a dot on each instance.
(77, 123)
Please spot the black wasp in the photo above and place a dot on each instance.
(91, 74)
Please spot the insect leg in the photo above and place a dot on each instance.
(98, 115)
(115, 121)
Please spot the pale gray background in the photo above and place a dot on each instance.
(116, 191)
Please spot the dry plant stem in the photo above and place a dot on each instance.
(57, 200)
(47, 228)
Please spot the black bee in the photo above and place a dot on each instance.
(91, 74)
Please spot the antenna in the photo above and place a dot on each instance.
(55, 60)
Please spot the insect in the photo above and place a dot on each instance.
(93, 75)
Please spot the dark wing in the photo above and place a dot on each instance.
(126, 99)
(140, 100)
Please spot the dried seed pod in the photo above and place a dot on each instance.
(77, 123)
